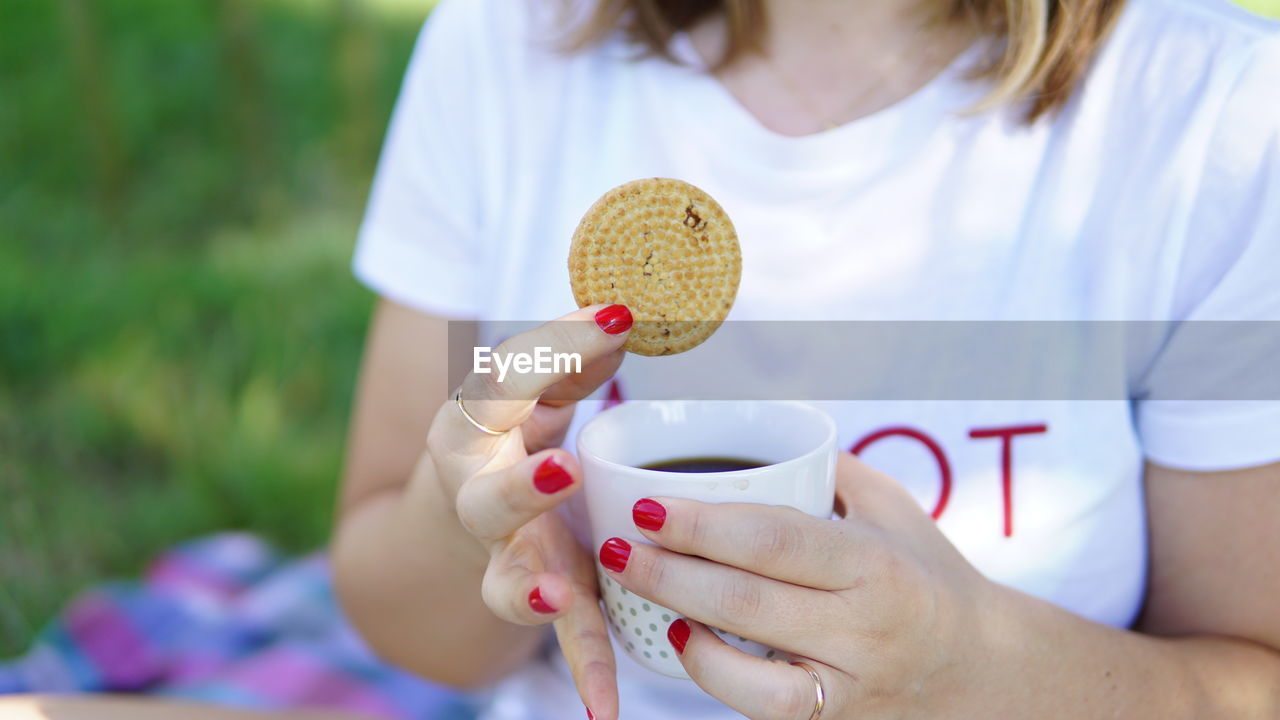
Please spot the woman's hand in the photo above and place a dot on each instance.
(505, 487)
(880, 604)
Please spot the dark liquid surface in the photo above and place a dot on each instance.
(705, 464)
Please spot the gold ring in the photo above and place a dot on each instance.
(817, 686)
(457, 399)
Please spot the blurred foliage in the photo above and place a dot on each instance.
(1269, 8)
(179, 330)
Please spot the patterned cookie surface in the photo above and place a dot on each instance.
(667, 251)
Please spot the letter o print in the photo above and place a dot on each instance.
(944, 467)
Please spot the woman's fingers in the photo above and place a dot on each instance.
(777, 542)
(480, 429)
(543, 574)
(549, 420)
(494, 505)
(583, 637)
(759, 689)
(778, 614)
(576, 387)
(538, 360)
(517, 591)
(584, 640)
(547, 426)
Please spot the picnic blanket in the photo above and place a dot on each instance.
(224, 619)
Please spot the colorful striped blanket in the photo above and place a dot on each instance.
(226, 620)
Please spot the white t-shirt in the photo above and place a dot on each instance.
(1154, 196)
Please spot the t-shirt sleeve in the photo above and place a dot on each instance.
(420, 240)
(1220, 370)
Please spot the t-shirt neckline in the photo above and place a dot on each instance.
(879, 134)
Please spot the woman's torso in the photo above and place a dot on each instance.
(916, 213)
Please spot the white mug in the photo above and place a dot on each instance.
(796, 440)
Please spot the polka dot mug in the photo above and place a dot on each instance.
(796, 441)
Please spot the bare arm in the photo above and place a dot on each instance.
(407, 573)
(1215, 578)
(1208, 644)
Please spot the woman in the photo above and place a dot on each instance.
(883, 160)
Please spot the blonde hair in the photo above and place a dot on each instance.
(1047, 46)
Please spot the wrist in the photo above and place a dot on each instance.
(992, 658)
(1034, 659)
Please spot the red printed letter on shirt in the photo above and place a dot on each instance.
(614, 394)
(944, 467)
(1006, 435)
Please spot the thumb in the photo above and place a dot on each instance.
(874, 497)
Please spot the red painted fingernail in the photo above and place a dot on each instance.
(614, 553)
(648, 514)
(538, 604)
(550, 477)
(678, 635)
(614, 319)
(590, 715)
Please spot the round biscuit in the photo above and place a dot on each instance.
(667, 251)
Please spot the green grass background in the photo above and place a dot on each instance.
(180, 185)
(177, 349)
(1270, 8)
